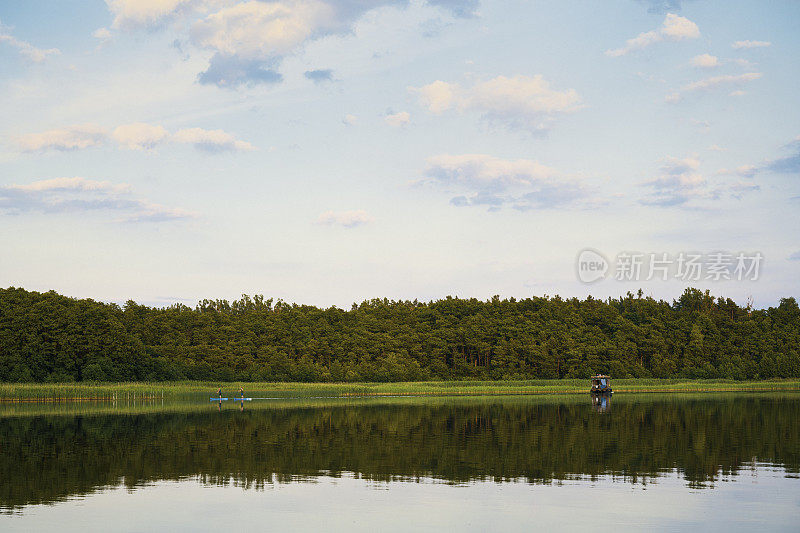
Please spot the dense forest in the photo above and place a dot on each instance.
(50, 337)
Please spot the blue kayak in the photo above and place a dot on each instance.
(218, 399)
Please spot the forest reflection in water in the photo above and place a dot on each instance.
(51, 453)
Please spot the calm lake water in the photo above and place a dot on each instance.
(718, 461)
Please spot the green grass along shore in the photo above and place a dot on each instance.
(152, 390)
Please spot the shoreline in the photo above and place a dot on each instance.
(149, 391)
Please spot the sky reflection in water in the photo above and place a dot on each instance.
(478, 463)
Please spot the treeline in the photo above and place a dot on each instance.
(50, 337)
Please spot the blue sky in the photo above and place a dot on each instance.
(328, 151)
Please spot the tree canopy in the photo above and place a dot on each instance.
(50, 337)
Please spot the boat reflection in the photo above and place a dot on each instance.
(601, 402)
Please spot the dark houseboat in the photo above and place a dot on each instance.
(601, 385)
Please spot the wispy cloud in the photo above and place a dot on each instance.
(150, 212)
(345, 219)
(211, 140)
(745, 171)
(137, 13)
(397, 120)
(75, 137)
(789, 164)
(134, 136)
(27, 50)
(103, 34)
(711, 83)
(705, 61)
(484, 180)
(680, 183)
(140, 136)
(73, 184)
(677, 183)
(738, 45)
(518, 102)
(674, 28)
(77, 195)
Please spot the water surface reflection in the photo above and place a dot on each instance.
(53, 453)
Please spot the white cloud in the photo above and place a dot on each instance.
(142, 13)
(705, 61)
(738, 93)
(672, 166)
(485, 180)
(481, 170)
(716, 148)
(102, 34)
(71, 138)
(350, 120)
(37, 55)
(528, 100)
(135, 136)
(140, 136)
(712, 82)
(398, 119)
(677, 28)
(72, 184)
(249, 39)
(150, 212)
(81, 195)
(136, 13)
(518, 102)
(261, 29)
(211, 140)
(438, 96)
(744, 171)
(744, 63)
(347, 219)
(680, 183)
(674, 28)
(738, 45)
(740, 188)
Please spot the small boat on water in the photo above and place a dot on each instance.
(601, 385)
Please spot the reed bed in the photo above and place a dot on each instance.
(149, 391)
